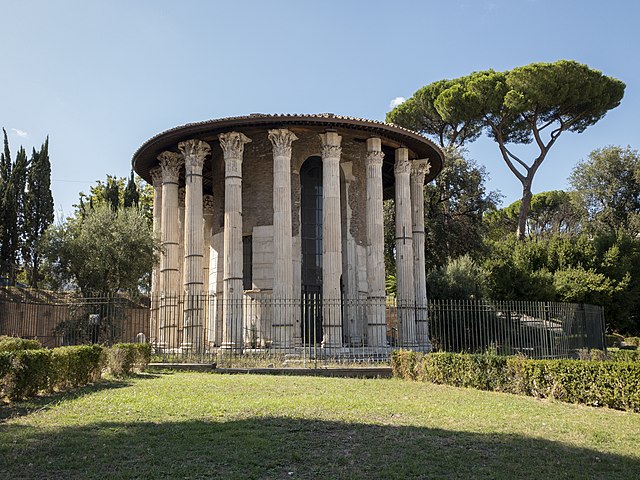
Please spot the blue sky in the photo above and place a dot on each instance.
(101, 77)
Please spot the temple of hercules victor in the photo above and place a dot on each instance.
(272, 234)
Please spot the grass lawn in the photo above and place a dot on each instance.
(199, 425)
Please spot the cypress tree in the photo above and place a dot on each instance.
(131, 195)
(112, 193)
(5, 182)
(13, 213)
(38, 208)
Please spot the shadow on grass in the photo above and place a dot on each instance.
(274, 448)
(25, 407)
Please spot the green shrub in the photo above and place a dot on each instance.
(633, 341)
(126, 358)
(75, 366)
(11, 344)
(25, 373)
(624, 355)
(29, 373)
(597, 383)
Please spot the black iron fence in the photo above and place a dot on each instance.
(260, 330)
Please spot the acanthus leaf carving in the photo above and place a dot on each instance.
(281, 139)
(194, 152)
(171, 163)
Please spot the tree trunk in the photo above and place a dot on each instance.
(525, 206)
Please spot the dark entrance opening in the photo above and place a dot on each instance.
(311, 235)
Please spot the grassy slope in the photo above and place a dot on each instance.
(192, 425)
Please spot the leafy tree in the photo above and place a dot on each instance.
(608, 185)
(420, 114)
(105, 252)
(530, 104)
(104, 193)
(38, 207)
(551, 213)
(460, 278)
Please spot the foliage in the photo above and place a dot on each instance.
(460, 278)
(27, 372)
(105, 252)
(624, 355)
(125, 358)
(118, 193)
(12, 344)
(633, 341)
(39, 205)
(596, 383)
(419, 113)
(608, 187)
(551, 213)
(26, 209)
(533, 104)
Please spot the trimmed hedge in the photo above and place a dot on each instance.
(126, 358)
(624, 355)
(609, 384)
(28, 372)
(12, 344)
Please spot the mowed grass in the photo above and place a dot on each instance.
(198, 425)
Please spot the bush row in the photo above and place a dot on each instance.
(609, 384)
(11, 344)
(27, 372)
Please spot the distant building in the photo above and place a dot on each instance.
(272, 232)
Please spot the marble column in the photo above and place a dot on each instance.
(352, 326)
(207, 212)
(232, 144)
(171, 164)
(156, 284)
(419, 169)
(404, 251)
(282, 296)
(331, 242)
(376, 309)
(194, 153)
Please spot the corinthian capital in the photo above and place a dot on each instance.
(419, 168)
(375, 158)
(331, 145)
(402, 166)
(232, 144)
(281, 139)
(156, 176)
(170, 163)
(194, 152)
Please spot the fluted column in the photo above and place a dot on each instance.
(207, 212)
(232, 144)
(331, 241)
(418, 170)
(170, 163)
(404, 251)
(376, 320)
(156, 284)
(283, 319)
(194, 153)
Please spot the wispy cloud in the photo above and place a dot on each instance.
(19, 133)
(397, 101)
